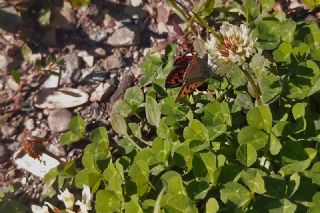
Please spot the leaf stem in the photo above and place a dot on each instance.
(255, 87)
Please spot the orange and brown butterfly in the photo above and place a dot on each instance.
(190, 72)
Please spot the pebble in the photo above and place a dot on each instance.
(88, 59)
(125, 36)
(100, 52)
(71, 72)
(59, 119)
(99, 35)
(3, 62)
(7, 131)
(136, 3)
(29, 124)
(58, 98)
(102, 89)
(113, 61)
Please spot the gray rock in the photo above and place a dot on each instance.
(113, 61)
(7, 131)
(100, 91)
(98, 35)
(99, 52)
(125, 36)
(71, 72)
(59, 119)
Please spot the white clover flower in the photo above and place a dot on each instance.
(39, 209)
(236, 45)
(67, 198)
(85, 204)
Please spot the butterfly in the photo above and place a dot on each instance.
(189, 72)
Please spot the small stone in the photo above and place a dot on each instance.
(100, 52)
(3, 62)
(102, 89)
(40, 133)
(136, 3)
(125, 36)
(136, 71)
(57, 98)
(114, 61)
(29, 124)
(89, 59)
(4, 155)
(71, 72)
(51, 82)
(59, 119)
(7, 131)
(13, 84)
(99, 35)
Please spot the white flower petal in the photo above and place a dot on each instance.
(67, 198)
(83, 206)
(39, 209)
(86, 196)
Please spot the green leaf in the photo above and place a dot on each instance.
(251, 135)
(204, 167)
(78, 3)
(87, 177)
(153, 113)
(107, 201)
(246, 154)
(267, 5)
(196, 130)
(251, 9)
(197, 190)
(121, 107)
(118, 124)
(298, 110)
(275, 145)
(315, 173)
(216, 113)
(114, 178)
(133, 96)
(282, 54)
(182, 156)
(133, 205)
(270, 86)
(287, 30)
(161, 149)
(135, 130)
(77, 125)
(16, 75)
(179, 203)
(212, 206)
(99, 136)
(236, 193)
(269, 33)
(315, 205)
(204, 8)
(151, 66)
(69, 138)
(139, 173)
(260, 117)
(285, 206)
(253, 178)
(312, 3)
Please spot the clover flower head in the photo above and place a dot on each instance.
(237, 44)
(67, 198)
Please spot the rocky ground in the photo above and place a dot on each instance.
(100, 46)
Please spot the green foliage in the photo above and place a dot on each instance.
(221, 154)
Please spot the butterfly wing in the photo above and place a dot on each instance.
(197, 71)
(176, 77)
(188, 88)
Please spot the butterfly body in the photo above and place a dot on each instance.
(189, 72)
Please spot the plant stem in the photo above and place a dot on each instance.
(255, 87)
